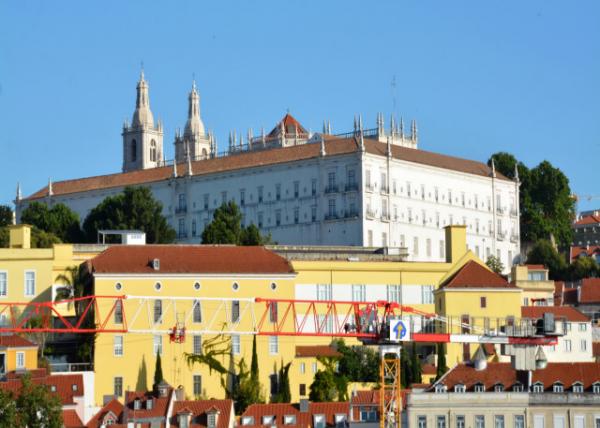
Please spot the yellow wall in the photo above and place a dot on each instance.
(11, 358)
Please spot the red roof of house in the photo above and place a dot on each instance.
(207, 259)
(291, 126)
(258, 158)
(316, 351)
(536, 267)
(567, 313)
(71, 419)
(365, 397)
(199, 409)
(303, 419)
(66, 387)
(589, 219)
(113, 406)
(590, 290)
(428, 369)
(160, 405)
(474, 275)
(14, 341)
(582, 251)
(503, 373)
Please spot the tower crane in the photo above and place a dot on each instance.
(387, 325)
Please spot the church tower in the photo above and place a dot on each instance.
(194, 139)
(142, 141)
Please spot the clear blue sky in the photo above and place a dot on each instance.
(479, 76)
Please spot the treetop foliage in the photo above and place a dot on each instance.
(226, 228)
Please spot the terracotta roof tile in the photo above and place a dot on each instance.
(199, 409)
(503, 373)
(596, 349)
(582, 251)
(251, 159)
(290, 124)
(316, 351)
(160, 405)
(428, 369)
(66, 387)
(113, 406)
(14, 341)
(303, 419)
(474, 275)
(207, 259)
(567, 313)
(536, 267)
(590, 219)
(71, 419)
(590, 290)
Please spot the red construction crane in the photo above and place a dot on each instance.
(385, 324)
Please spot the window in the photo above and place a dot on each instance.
(158, 311)
(118, 386)
(582, 325)
(596, 388)
(518, 387)
(428, 247)
(313, 189)
(302, 368)
(133, 150)
(260, 194)
(408, 189)
(460, 421)
(579, 422)
(577, 387)
(442, 249)
(422, 191)
(568, 345)
(3, 283)
(483, 302)
(181, 228)
(197, 312)
(368, 415)
(302, 389)
(235, 311)
(479, 387)
(273, 312)
(278, 218)
(278, 191)
(331, 182)
(29, 283)
(273, 345)
(296, 215)
(538, 388)
(557, 387)
(242, 197)
(499, 421)
(421, 421)
(479, 421)
(194, 228)
(197, 385)
(206, 201)
(416, 245)
(383, 185)
(319, 421)
(236, 346)
(583, 345)
(323, 291)
(394, 293)
(332, 210)
(440, 388)
(498, 387)
(313, 213)
(538, 421)
(427, 294)
(118, 317)
(289, 419)
(314, 367)
(296, 189)
(559, 421)
(449, 196)
(118, 346)
(260, 220)
(359, 293)
(20, 360)
(459, 387)
(157, 342)
(197, 346)
(440, 421)
(519, 421)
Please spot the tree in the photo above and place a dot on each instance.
(283, 394)
(213, 351)
(58, 220)
(76, 283)
(357, 363)
(254, 362)
(323, 387)
(583, 267)
(134, 208)
(405, 368)
(415, 364)
(158, 374)
(6, 215)
(242, 390)
(494, 264)
(544, 253)
(226, 228)
(8, 409)
(441, 361)
(37, 407)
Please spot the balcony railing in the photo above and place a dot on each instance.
(384, 189)
(370, 187)
(351, 214)
(71, 367)
(514, 238)
(371, 213)
(513, 212)
(501, 235)
(351, 187)
(181, 209)
(331, 189)
(385, 217)
(500, 210)
(331, 216)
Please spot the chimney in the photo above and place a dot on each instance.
(20, 236)
(180, 393)
(456, 242)
(304, 405)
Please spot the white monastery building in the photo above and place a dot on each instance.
(370, 187)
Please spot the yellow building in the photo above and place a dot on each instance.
(474, 298)
(538, 290)
(17, 354)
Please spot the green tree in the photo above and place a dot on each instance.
(242, 390)
(58, 220)
(357, 363)
(226, 228)
(283, 394)
(254, 362)
(324, 387)
(583, 267)
(8, 409)
(6, 215)
(415, 364)
(494, 264)
(134, 208)
(441, 361)
(405, 368)
(37, 407)
(340, 382)
(158, 374)
(544, 253)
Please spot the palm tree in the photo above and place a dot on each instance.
(74, 281)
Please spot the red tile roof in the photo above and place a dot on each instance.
(198, 410)
(559, 293)
(303, 419)
(474, 275)
(582, 251)
(567, 313)
(160, 405)
(66, 387)
(503, 373)
(14, 341)
(428, 369)
(365, 397)
(71, 419)
(590, 219)
(596, 349)
(536, 267)
(207, 259)
(590, 290)
(113, 406)
(316, 351)
(333, 146)
(291, 127)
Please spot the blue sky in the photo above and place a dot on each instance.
(479, 76)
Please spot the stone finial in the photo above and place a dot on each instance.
(189, 160)
(19, 196)
(493, 168)
(389, 147)
(360, 123)
(516, 172)
(324, 127)
(50, 191)
(329, 127)
(323, 153)
(362, 141)
(392, 125)
(355, 124)
(413, 130)
(263, 138)
(175, 168)
(401, 127)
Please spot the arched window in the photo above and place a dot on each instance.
(133, 150)
(153, 151)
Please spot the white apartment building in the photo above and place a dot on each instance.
(370, 187)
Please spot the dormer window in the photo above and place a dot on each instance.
(289, 420)
(440, 387)
(538, 387)
(319, 421)
(557, 387)
(268, 420)
(247, 420)
(74, 387)
(596, 388)
(578, 388)
(518, 387)
(479, 387)
(137, 404)
(459, 388)
(53, 388)
(340, 420)
(149, 404)
(498, 387)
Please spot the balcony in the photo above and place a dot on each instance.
(181, 209)
(385, 217)
(351, 187)
(500, 210)
(514, 238)
(513, 212)
(331, 216)
(351, 214)
(501, 235)
(384, 189)
(182, 235)
(371, 213)
(370, 187)
(331, 189)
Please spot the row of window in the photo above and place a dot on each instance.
(537, 387)
(478, 421)
(19, 362)
(319, 420)
(393, 293)
(29, 283)
(196, 385)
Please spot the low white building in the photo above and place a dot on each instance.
(370, 187)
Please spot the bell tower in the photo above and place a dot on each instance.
(142, 140)
(195, 141)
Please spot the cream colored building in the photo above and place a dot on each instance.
(538, 290)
